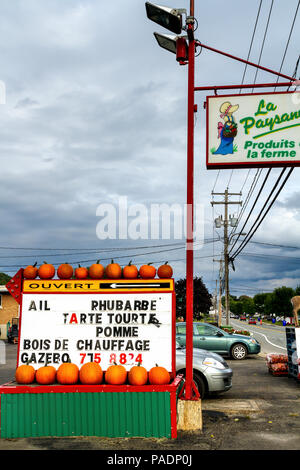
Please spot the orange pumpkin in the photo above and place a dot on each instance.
(67, 373)
(113, 270)
(147, 271)
(130, 271)
(159, 376)
(25, 374)
(46, 271)
(65, 271)
(165, 271)
(138, 375)
(45, 375)
(81, 272)
(116, 375)
(96, 270)
(30, 272)
(91, 373)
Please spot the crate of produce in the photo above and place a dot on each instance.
(278, 368)
(274, 358)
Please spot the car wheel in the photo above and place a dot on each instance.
(200, 384)
(239, 352)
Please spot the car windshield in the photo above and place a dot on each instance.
(207, 330)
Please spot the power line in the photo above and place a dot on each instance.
(264, 40)
(288, 42)
(251, 43)
(276, 245)
(97, 250)
(243, 78)
(257, 197)
(248, 197)
(250, 235)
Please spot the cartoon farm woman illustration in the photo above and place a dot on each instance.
(228, 130)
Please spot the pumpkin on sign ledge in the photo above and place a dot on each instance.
(165, 271)
(30, 272)
(46, 271)
(45, 375)
(25, 374)
(159, 376)
(116, 375)
(113, 270)
(147, 271)
(67, 373)
(91, 374)
(138, 375)
(96, 270)
(130, 271)
(81, 272)
(65, 271)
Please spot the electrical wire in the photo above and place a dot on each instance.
(248, 197)
(251, 43)
(288, 42)
(253, 206)
(264, 40)
(257, 221)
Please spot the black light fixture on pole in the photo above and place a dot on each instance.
(169, 18)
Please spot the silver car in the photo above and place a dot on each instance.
(211, 372)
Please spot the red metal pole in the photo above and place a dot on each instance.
(190, 215)
(249, 85)
(244, 61)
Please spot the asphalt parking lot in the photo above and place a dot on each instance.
(260, 412)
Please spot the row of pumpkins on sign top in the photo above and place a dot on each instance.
(98, 271)
(91, 373)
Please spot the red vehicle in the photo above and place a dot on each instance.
(252, 321)
(243, 317)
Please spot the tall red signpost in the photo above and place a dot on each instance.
(189, 385)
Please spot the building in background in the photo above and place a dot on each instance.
(9, 309)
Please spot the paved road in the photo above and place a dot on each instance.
(271, 337)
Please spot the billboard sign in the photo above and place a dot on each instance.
(123, 322)
(253, 130)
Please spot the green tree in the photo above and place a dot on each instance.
(281, 301)
(260, 302)
(202, 298)
(4, 278)
(248, 304)
(297, 290)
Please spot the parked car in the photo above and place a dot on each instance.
(243, 317)
(211, 372)
(212, 338)
(251, 321)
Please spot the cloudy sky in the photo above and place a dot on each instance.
(95, 111)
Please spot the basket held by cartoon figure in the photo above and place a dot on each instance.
(230, 130)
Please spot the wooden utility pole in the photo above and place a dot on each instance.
(220, 291)
(225, 223)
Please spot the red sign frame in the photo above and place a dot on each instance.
(236, 165)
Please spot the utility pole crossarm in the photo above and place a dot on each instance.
(229, 202)
(228, 194)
